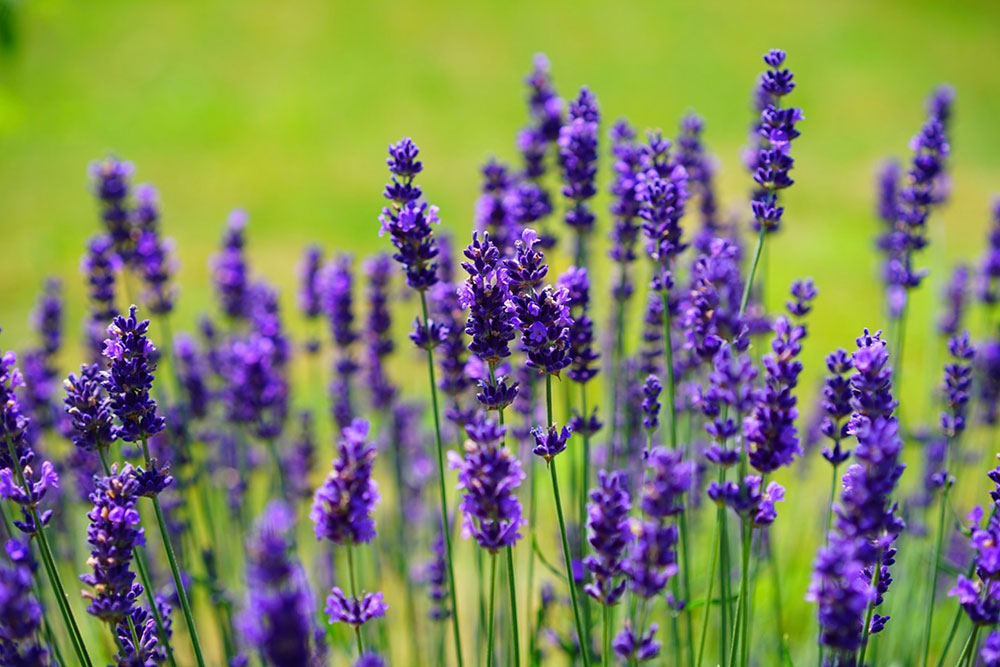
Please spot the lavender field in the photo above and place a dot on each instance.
(642, 403)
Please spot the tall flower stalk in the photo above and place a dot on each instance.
(408, 222)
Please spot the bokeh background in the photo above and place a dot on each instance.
(286, 108)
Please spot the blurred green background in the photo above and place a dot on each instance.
(286, 108)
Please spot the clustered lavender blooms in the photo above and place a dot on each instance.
(342, 506)
(980, 597)
(609, 535)
(20, 611)
(310, 290)
(130, 377)
(339, 305)
(578, 161)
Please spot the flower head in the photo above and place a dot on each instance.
(352, 610)
(609, 535)
(130, 377)
(89, 409)
(230, 267)
(343, 504)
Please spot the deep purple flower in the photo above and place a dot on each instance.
(730, 393)
(545, 108)
(191, 371)
(13, 423)
(113, 534)
(155, 262)
(578, 160)
(278, 619)
(988, 370)
(310, 290)
(527, 203)
(338, 302)
(747, 500)
(409, 220)
(89, 409)
(989, 269)
(448, 310)
(652, 558)
(430, 335)
(111, 184)
(255, 393)
(99, 265)
(549, 442)
(146, 211)
(651, 403)
(803, 294)
(378, 332)
(437, 578)
(663, 198)
(370, 659)
(130, 377)
(668, 478)
(489, 475)
(957, 382)
(20, 613)
(836, 405)
(990, 651)
(776, 130)
(229, 267)
(842, 593)
(300, 458)
(956, 296)
(980, 597)
(581, 330)
(608, 526)
(710, 313)
(871, 384)
(493, 206)
(700, 169)
(355, 612)
(629, 647)
(343, 504)
(624, 205)
(651, 348)
(147, 652)
(485, 293)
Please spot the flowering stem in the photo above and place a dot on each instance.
(50, 566)
(739, 627)
(876, 573)
(174, 569)
(934, 572)
(352, 580)
(711, 582)
(753, 269)
(966, 658)
(584, 644)
(606, 636)
(441, 487)
(493, 593)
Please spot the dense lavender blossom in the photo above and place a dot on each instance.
(89, 409)
(111, 184)
(989, 269)
(153, 257)
(773, 160)
(609, 535)
(113, 534)
(130, 377)
(99, 265)
(20, 613)
(990, 651)
(546, 114)
(711, 311)
(278, 617)
(663, 198)
(730, 393)
(549, 442)
(352, 610)
(956, 295)
(485, 293)
(581, 330)
(628, 646)
(871, 384)
(409, 220)
(489, 476)
(310, 289)
(980, 597)
(625, 205)
(39, 364)
(146, 652)
(578, 161)
(957, 382)
(842, 593)
(448, 310)
(651, 389)
(343, 504)
(492, 208)
(437, 579)
(255, 393)
(651, 348)
(691, 155)
(229, 267)
(378, 331)
(836, 405)
(747, 500)
(191, 372)
(338, 302)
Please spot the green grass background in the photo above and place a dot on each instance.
(286, 108)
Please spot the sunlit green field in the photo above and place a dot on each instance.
(285, 109)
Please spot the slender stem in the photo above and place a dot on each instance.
(442, 491)
(711, 583)
(353, 582)
(779, 616)
(829, 507)
(584, 647)
(492, 609)
(62, 600)
(174, 569)
(618, 351)
(606, 636)
(481, 608)
(741, 605)
(934, 573)
(968, 651)
(131, 629)
(724, 581)
(753, 269)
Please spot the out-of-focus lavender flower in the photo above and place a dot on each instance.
(578, 161)
(710, 313)
(437, 579)
(988, 370)
(278, 619)
(581, 330)
(609, 535)
(629, 647)
(957, 383)
(489, 475)
(803, 293)
(229, 267)
(20, 613)
(89, 409)
(527, 204)
(190, 365)
(343, 504)
(651, 403)
(663, 198)
(624, 205)
(691, 155)
(769, 430)
(730, 394)
(113, 534)
(773, 160)
(130, 377)
(651, 349)
(956, 296)
(545, 108)
(354, 611)
(255, 393)
(378, 332)
(310, 288)
(370, 659)
(448, 310)
(407, 219)
(989, 268)
(300, 458)
(492, 208)
(836, 405)
(47, 317)
(990, 651)
(99, 265)
(111, 184)
(39, 364)
(338, 303)
(980, 597)
(156, 264)
(842, 594)
(146, 211)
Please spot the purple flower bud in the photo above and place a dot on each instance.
(957, 382)
(549, 442)
(343, 504)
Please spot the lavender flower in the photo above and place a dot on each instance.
(629, 647)
(145, 213)
(980, 597)
(437, 579)
(578, 160)
(581, 330)
(651, 350)
(990, 651)
(153, 255)
(339, 305)
(988, 363)
(651, 403)
(378, 331)
(549, 442)
(113, 534)
(492, 208)
(773, 160)
(278, 617)
(545, 108)
(100, 265)
(89, 409)
(300, 459)
(448, 310)
(230, 267)
(955, 298)
(343, 504)
(408, 220)
(130, 377)
(663, 197)
(842, 594)
(836, 405)
(871, 384)
(608, 524)
(485, 293)
(147, 652)
(370, 659)
(20, 613)
(310, 291)
(957, 382)
(730, 393)
(989, 269)
(625, 205)
(691, 155)
(352, 610)
(489, 476)
(111, 185)
(190, 364)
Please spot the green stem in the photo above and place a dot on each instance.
(711, 583)
(174, 569)
(441, 488)
(584, 648)
(606, 636)
(62, 600)
(929, 623)
(492, 610)
(753, 270)
(968, 651)
(353, 581)
(741, 606)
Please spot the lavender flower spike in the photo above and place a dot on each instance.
(578, 160)
(230, 268)
(20, 613)
(343, 504)
(130, 377)
(609, 535)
